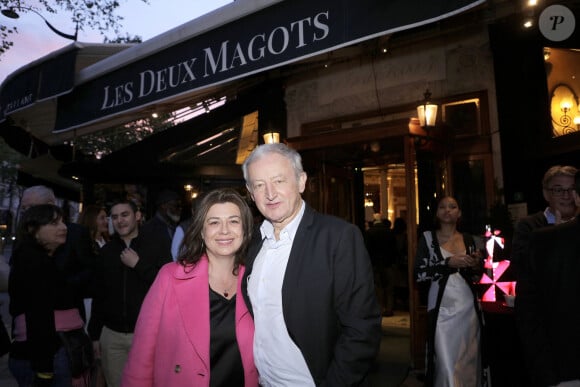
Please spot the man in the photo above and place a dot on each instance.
(76, 256)
(162, 225)
(180, 231)
(126, 269)
(548, 295)
(557, 187)
(309, 282)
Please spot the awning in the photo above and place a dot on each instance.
(279, 34)
(29, 95)
(207, 145)
(47, 78)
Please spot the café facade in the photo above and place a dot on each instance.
(340, 81)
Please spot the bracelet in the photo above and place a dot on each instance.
(45, 375)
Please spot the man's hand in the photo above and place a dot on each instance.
(129, 257)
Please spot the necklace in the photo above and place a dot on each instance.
(227, 291)
(226, 282)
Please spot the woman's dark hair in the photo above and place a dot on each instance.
(88, 218)
(192, 247)
(34, 218)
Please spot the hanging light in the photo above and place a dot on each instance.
(427, 112)
(271, 137)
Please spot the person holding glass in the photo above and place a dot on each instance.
(194, 328)
(450, 262)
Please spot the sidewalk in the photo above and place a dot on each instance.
(391, 366)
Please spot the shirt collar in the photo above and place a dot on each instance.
(267, 229)
(550, 216)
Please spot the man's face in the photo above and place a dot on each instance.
(125, 220)
(559, 196)
(276, 190)
(173, 210)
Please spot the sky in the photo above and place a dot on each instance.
(35, 40)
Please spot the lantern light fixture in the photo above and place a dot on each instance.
(271, 137)
(427, 112)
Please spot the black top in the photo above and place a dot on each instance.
(225, 359)
(118, 289)
(37, 288)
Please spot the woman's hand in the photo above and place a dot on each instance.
(461, 261)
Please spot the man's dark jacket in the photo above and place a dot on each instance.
(547, 304)
(522, 234)
(328, 297)
(119, 289)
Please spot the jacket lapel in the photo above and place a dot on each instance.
(298, 253)
(192, 295)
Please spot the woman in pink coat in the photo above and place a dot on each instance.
(194, 328)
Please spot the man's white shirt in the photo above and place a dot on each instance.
(278, 359)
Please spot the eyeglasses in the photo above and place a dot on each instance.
(559, 191)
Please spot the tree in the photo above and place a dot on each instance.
(124, 39)
(99, 15)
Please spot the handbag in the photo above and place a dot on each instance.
(79, 349)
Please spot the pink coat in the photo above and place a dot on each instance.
(171, 342)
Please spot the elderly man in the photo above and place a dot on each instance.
(557, 186)
(308, 281)
(548, 295)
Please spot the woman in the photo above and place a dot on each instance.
(194, 329)
(42, 302)
(94, 218)
(453, 344)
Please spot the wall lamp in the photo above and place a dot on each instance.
(420, 127)
(427, 112)
(565, 110)
(12, 14)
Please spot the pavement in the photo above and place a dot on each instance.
(392, 367)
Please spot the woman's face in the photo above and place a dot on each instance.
(448, 211)
(102, 223)
(52, 235)
(223, 230)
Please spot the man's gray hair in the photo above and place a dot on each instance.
(558, 170)
(279, 148)
(45, 194)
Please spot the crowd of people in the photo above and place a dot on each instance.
(291, 297)
(286, 301)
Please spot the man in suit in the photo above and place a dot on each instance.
(162, 226)
(309, 283)
(557, 187)
(548, 295)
